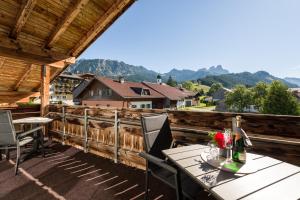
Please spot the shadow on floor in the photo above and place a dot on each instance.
(68, 173)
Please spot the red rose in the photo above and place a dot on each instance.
(219, 138)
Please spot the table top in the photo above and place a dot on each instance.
(33, 120)
(274, 179)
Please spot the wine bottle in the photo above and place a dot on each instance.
(238, 148)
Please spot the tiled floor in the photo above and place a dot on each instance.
(68, 173)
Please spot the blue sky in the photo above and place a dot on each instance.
(241, 35)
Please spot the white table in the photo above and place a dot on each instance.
(43, 121)
(273, 180)
(33, 120)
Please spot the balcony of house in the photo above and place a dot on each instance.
(93, 152)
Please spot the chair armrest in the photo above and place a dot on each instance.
(21, 135)
(158, 162)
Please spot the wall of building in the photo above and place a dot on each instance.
(105, 103)
(105, 94)
(140, 104)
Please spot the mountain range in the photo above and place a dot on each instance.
(245, 78)
(114, 69)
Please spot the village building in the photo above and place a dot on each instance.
(102, 91)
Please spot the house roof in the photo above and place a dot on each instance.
(171, 93)
(70, 76)
(126, 90)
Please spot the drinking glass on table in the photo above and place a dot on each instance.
(228, 143)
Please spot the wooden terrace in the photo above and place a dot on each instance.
(94, 151)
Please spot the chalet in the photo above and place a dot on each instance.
(101, 91)
(174, 97)
(107, 92)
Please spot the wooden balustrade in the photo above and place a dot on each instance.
(116, 133)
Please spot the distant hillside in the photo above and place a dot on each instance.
(113, 68)
(293, 80)
(245, 78)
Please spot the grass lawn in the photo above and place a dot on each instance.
(202, 107)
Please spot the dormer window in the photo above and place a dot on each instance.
(146, 92)
(141, 91)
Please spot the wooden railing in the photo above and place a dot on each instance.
(116, 133)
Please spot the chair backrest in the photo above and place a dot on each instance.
(157, 134)
(7, 130)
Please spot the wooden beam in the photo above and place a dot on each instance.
(25, 75)
(23, 14)
(70, 15)
(13, 96)
(32, 53)
(15, 93)
(45, 75)
(106, 19)
(2, 60)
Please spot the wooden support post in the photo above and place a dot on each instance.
(45, 89)
(116, 137)
(85, 145)
(64, 124)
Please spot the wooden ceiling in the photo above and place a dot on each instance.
(34, 33)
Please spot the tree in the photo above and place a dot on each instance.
(280, 101)
(171, 82)
(188, 85)
(259, 92)
(239, 99)
(214, 87)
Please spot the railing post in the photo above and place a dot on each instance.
(116, 137)
(85, 143)
(64, 125)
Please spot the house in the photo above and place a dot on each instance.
(102, 91)
(296, 93)
(174, 97)
(218, 97)
(61, 89)
(220, 94)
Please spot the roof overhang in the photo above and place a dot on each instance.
(54, 33)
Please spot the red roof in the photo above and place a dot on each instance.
(129, 89)
(171, 93)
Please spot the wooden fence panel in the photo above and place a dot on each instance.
(186, 126)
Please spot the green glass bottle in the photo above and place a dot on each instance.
(238, 145)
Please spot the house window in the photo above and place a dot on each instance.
(148, 106)
(64, 97)
(100, 92)
(109, 92)
(91, 93)
(142, 105)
